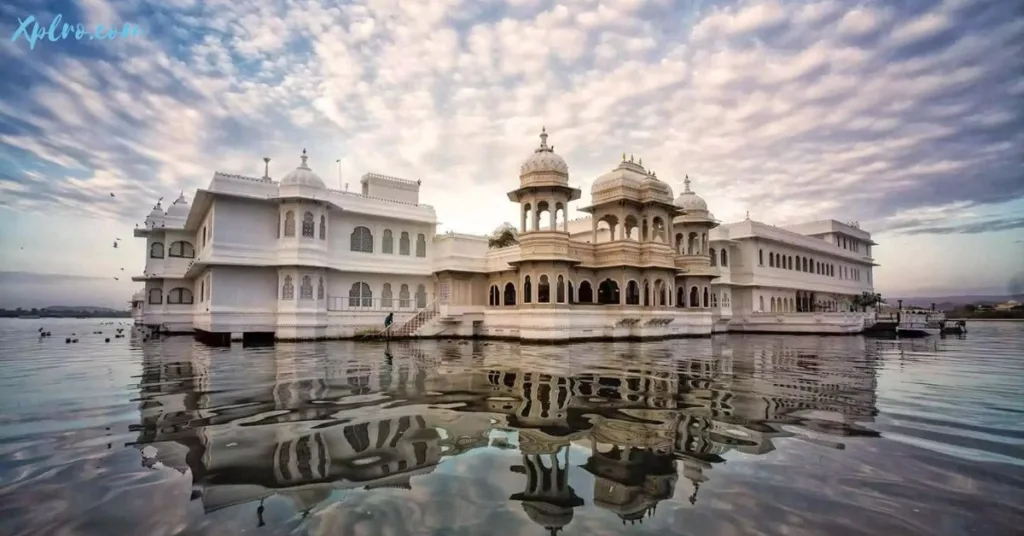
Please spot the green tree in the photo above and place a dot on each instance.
(502, 237)
(866, 299)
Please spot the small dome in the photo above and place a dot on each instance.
(156, 216)
(179, 209)
(627, 175)
(690, 201)
(544, 159)
(303, 176)
(658, 189)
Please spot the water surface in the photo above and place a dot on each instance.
(733, 435)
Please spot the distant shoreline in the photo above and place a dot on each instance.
(974, 319)
(105, 316)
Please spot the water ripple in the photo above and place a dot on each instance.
(764, 435)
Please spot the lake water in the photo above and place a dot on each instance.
(733, 435)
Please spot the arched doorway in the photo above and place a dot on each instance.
(608, 292)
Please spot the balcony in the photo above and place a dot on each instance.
(697, 265)
(545, 246)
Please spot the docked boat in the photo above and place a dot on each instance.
(917, 324)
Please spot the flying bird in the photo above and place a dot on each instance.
(117, 239)
(116, 279)
(112, 194)
(115, 244)
(122, 269)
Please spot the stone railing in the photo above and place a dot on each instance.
(657, 254)
(544, 245)
(695, 264)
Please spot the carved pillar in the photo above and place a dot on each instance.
(554, 217)
(594, 221)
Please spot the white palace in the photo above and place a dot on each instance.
(292, 259)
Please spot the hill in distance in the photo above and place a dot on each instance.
(955, 301)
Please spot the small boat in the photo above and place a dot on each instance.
(916, 324)
(954, 327)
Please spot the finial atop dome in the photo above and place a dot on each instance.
(641, 162)
(686, 184)
(544, 141)
(748, 215)
(266, 167)
(304, 158)
(181, 197)
(631, 157)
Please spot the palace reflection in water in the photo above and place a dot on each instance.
(305, 421)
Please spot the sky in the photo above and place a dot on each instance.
(905, 116)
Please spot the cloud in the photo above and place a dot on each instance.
(871, 111)
(1003, 224)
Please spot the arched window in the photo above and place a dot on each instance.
(694, 297)
(760, 257)
(156, 296)
(572, 293)
(156, 250)
(510, 294)
(306, 289)
(289, 223)
(360, 295)
(789, 262)
(278, 227)
(707, 299)
(403, 296)
(714, 257)
(586, 292)
(805, 265)
(771, 260)
(560, 290)
(386, 299)
(772, 304)
(320, 289)
(388, 245)
(287, 289)
(647, 294)
(725, 258)
(527, 290)
(421, 297)
(632, 293)
(680, 297)
(714, 299)
(608, 293)
(659, 287)
(179, 295)
(403, 244)
(362, 240)
(181, 249)
(493, 296)
(323, 227)
(421, 245)
(760, 301)
(544, 290)
(308, 225)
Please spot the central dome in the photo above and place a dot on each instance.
(544, 159)
(303, 176)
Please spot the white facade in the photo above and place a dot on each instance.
(297, 260)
